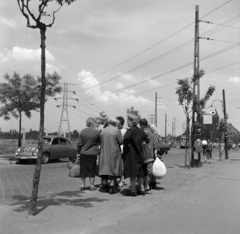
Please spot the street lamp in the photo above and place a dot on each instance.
(219, 101)
(225, 120)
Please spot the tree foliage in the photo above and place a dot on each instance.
(35, 21)
(22, 94)
(190, 102)
(186, 97)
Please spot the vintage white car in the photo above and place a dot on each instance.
(54, 147)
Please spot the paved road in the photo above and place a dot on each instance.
(187, 201)
(16, 179)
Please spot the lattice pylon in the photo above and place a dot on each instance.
(64, 116)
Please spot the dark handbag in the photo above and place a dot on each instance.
(74, 168)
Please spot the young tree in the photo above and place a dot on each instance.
(20, 95)
(35, 22)
(189, 102)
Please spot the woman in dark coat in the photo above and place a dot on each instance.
(88, 143)
(132, 154)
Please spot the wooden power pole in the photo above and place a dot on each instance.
(225, 125)
(196, 88)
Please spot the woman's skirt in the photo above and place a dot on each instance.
(88, 165)
(133, 164)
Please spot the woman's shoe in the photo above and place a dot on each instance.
(154, 185)
(112, 190)
(142, 193)
(146, 190)
(131, 194)
(82, 188)
(93, 188)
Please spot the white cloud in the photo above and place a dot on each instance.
(86, 80)
(130, 91)
(152, 83)
(119, 86)
(234, 80)
(128, 77)
(23, 54)
(8, 22)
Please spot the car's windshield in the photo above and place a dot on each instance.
(46, 140)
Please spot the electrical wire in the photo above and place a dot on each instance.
(149, 48)
(208, 22)
(173, 70)
(173, 51)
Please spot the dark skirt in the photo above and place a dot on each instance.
(133, 164)
(88, 165)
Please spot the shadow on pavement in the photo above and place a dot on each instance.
(182, 166)
(71, 198)
(33, 162)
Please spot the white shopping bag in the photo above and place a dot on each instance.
(159, 169)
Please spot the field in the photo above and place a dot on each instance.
(10, 145)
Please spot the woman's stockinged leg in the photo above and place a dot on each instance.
(133, 184)
(83, 183)
(146, 182)
(91, 180)
(141, 184)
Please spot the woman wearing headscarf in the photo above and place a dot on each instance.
(87, 151)
(110, 155)
(133, 154)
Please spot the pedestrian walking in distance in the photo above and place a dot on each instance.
(209, 149)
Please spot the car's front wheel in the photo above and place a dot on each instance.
(45, 158)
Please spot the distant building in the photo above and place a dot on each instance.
(233, 134)
(210, 130)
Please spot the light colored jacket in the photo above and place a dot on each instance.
(198, 146)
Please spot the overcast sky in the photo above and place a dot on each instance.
(137, 47)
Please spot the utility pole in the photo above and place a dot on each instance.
(64, 116)
(156, 104)
(225, 123)
(151, 118)
(196, 87)
(165, 126)
(155, 122)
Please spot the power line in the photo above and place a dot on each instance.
(168, 53)
(160, 41)
(173, 70)
(229, 65)
(208, 22)
(211, 39)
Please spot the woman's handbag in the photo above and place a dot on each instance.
(74, 168)
(159, 169)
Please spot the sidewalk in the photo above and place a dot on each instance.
(197, 200)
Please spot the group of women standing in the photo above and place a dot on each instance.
(127, 153)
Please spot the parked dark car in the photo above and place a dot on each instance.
(54, 147)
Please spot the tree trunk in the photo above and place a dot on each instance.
(20, 129)
(187, 155)
(36, 176)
